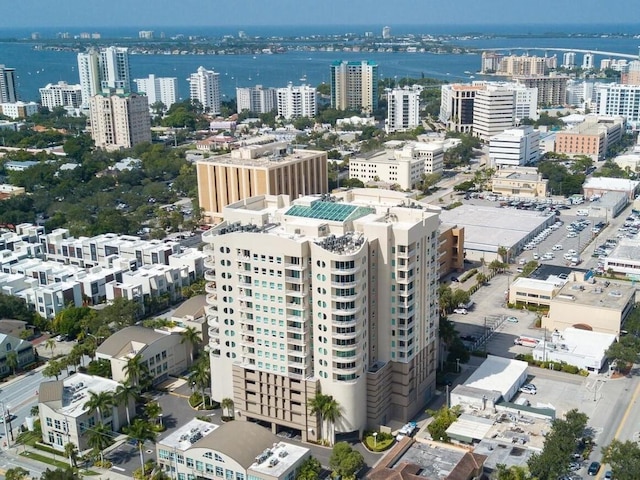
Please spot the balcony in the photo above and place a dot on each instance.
(350, 323)
(211, 310)
(346, 370)
(345, 347)
(213, 321)
(298, 293)
(405, 254)
(210, 275)
(335, 284)
(214, 332)
(212, 298)
(209, 262)
(295, 280)
(210, 287)
(295, 266)
(298, 341)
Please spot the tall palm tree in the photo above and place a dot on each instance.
(125, 392)
(332, 413)
(99, 402)
(99, 438)
(192, 337)
(140, 431)
(134, 369)
(317, 405)
(201, 375)
(50, 344)
(53, 369)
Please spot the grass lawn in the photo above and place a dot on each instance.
(45, 459)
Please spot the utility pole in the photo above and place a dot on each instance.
(7, 443)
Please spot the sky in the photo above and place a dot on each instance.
(152, 13)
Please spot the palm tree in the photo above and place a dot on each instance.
(99, 439)
(153, 410)
(192, 337)
(134, 369)
(140, 431)
(227, 404)
(317, 405)
(71, 452)
(201, 375)
(53, 369)
(332, 413)
(99, 402)
(504, 254)
(50, 344)
(12, 361)
(125, 392)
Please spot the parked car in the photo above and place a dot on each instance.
(461, 311)
(529, 388)
(594, 468)
(608, 475)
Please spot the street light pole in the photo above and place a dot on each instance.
(7, 443)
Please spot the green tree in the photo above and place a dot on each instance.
(99, 402)
(332, 413)
(71, 452)
(53, 369)
(624, 351)
(309, 469)
(140, 431)
(624, 458)
(503, 253)
(201, 376)
(134, 369)
(50, 344)
(513, 472)
(99, 437)
(60, 474)
(100, 367)
(481, 278)
(153, 410)
(16, 473)
(345, 461)
(191, 337)
(125, 392)
(227, 405)
(442, 419)
(12, 361)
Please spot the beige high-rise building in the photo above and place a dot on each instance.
(354, 85)
(493, 111)
(119, 119)
(269, 169)
(552, 90)
(456, 106)
(321, 295)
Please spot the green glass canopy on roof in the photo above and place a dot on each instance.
(337, 212)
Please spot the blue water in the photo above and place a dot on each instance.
(37, 68)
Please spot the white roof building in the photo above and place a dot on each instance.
(581, 348)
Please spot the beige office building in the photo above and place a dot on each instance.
(119, 120)
(519, 182)
(600, 307)
(270, 169)
(319, 295)
(552, 91)
(456, 106)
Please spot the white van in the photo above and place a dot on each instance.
(582, 212)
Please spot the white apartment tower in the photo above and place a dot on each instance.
(8, 93)
(158, 89)
(316, 295)
(588, 61)
(298, 101)
(61, 95)
(107, 68)
(615, 99)
(569, 60)
(403, 112)
(256, 99)
(119, 119)
(354, 85)
(204, 86)
(493, 111)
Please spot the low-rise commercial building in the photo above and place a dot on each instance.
(18, 109)
(532, 291)
(519, 182)
(602, 306)
(581, 348)
(162, 353)
(23, 350)
(598, 186)
(64, 417)
(235, 450)
(625, 258)
(400, 163)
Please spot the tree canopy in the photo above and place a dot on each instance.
(624, 458)
(345, 461)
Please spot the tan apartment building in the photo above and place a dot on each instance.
(119, 119)
(519, 182)
(162, 352)
(601, 307)
(591, 138)
(320, 294)
(270, 169)
(551, 90)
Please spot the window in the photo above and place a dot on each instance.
(49, 422)
(218, 458)
(209, 468)
(189, 462)
(228, 474)
(219, 472)
(199, 466)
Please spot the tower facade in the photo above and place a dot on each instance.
(8, 93)
(354, 85)
(204, 86)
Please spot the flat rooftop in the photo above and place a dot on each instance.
(436, 462)
(535, 284)
(487, 228)
(262, 157)
(608, 183)
(188, 434)
(277, 460)
(497, 373)
(583, 343)
(626, 249)
(76, 392)
(615, 295)
(336, 212)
